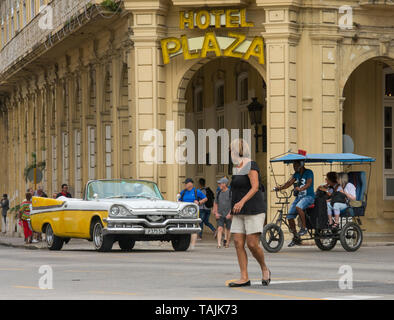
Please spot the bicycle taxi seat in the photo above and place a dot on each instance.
(357, 208)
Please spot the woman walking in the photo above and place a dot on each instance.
(24, 215)
(248, 210)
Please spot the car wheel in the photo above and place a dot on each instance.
(102, 243)
(126, 244)
(181, 242)
(53, 242)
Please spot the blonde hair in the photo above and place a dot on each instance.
(343, 178)
(240, 148)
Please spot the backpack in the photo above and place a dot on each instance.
(338, 197)
(317, 218)
(211, 198)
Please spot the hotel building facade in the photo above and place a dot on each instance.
(82, 81)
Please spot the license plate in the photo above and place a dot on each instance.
(155, 231)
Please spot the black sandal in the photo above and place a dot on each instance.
(334, 225)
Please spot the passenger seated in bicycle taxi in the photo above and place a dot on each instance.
(305, 197)
(340, 191)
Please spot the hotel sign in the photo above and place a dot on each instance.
(233, 45)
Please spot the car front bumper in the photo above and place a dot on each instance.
(139, 226)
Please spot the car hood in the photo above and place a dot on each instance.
(145, 203)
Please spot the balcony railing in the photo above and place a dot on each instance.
(377, 3)
(32, 34)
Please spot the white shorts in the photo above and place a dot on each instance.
(248, 224)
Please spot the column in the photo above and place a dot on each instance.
(281, 62)
(148, 83)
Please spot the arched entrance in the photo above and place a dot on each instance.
(368, 125)
(214, 94)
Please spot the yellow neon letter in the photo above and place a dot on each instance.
(256, 49)
(167, 50)
(232, 21)
(218, 14)
(229, 51)
(244, 23)
(200, 14)
(185, 47)
(210, 44)
(183, 20)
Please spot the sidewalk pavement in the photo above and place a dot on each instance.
(370, 240)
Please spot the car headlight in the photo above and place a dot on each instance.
(189, 212)
(119, 211)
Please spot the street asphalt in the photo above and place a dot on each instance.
(155, 271)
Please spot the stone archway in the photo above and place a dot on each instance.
(364, 107)
(189, 69)
(180, 77)
(357, 59)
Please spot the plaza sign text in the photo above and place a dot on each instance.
(233, 45)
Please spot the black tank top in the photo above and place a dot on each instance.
(240, 186)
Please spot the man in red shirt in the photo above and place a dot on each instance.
(64, 192)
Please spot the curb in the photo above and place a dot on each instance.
(23, 246)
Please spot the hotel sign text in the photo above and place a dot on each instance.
(233, 45)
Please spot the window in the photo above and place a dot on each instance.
(388, 132)
(92, 152)
(388, 137)
(389, 85)
(220, 165)
(108, 152)
(65, 157)
(243, 87)
(54, 164)
(219, 94)
(12, 27)
(32, 9)
(198, 99)
(18, 19)
(199, 125)
(6, 30)
(78, 164)
(24, 13)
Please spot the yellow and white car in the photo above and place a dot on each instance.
(115, 210)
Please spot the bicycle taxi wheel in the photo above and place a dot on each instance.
(272, 238)
(351, 236)
(325, 241)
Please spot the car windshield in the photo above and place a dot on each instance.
(111, 189)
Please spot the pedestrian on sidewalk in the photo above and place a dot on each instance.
(192, 194)
(205, 208)
(5, 206)
(222, 211)
(248, 210)
(24, 215)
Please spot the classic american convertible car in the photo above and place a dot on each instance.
(125, 211)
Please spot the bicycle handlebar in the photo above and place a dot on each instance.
(284, 194)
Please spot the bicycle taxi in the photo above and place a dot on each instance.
(349, 232)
